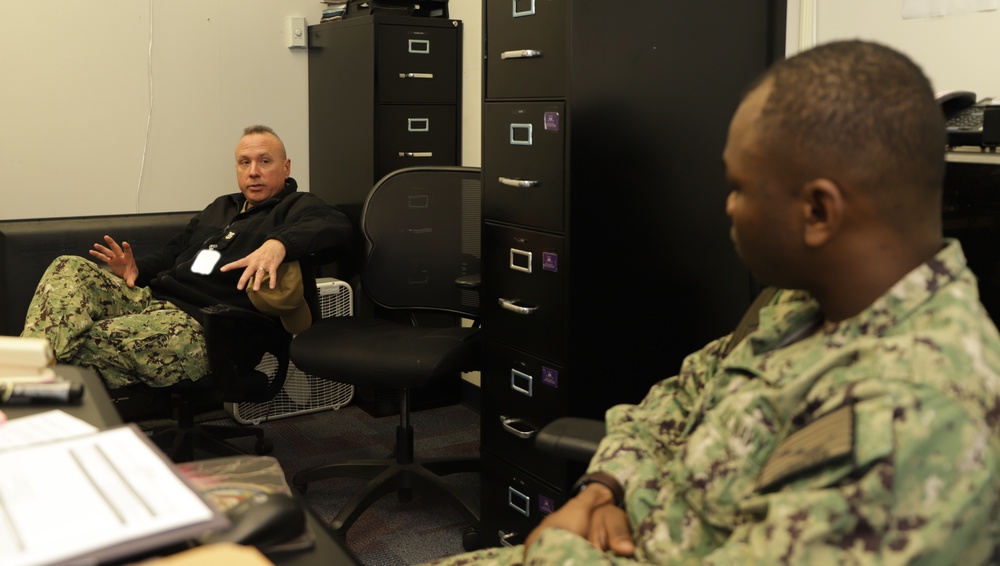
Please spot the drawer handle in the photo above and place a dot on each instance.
(416, 154)
(505, 538)
(512, 306)
(518, 427)
(521, 183)
(416, 75)
(521, 54)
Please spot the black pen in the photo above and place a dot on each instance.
(29, 393)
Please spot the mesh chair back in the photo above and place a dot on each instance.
(422, 231)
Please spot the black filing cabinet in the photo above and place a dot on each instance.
(606, 253)
(384, 94)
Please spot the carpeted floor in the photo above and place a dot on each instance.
(391, 532)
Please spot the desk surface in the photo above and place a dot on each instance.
(97, 409)
(972, 155)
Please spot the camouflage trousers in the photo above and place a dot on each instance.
(93, 319)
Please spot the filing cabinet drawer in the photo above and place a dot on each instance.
(527, 48)
(417, 64)
(521, 394)
(415, 135)
(522, 290)
(513, 502)
(524, 145)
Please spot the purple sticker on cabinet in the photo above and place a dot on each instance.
(550, 261)
(546, 505)
(551, 120)
(550, 377)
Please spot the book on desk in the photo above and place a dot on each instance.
(88, 496)
(27, 374)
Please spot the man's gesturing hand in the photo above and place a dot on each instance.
(119, 259)
(264, 259)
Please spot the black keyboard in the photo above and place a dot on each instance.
(968, 119)
(966, 127)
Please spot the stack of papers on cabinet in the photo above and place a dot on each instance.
(92, 497)
(333, 10)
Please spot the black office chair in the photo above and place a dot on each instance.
(576, 439)
(236, 341)
(421, 227)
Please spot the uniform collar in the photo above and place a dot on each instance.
(793, 311)
(291, 186)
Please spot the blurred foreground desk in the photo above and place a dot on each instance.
(97, 409)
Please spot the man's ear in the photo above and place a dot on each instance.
(822, 204)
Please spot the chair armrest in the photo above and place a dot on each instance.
(222, 311)
(236, 340)
(572, 438)
(237, 328)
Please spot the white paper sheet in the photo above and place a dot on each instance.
(42, 427)
(78, 497)
(913, 9)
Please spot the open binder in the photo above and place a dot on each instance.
(95, 498)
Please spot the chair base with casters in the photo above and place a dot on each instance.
(184, 438)
(399, 474)
(403, 471)
(236, 340)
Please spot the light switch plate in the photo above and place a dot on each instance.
(295, 32)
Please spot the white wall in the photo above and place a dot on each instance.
(75, 99)
(957, 51)
(471, 14)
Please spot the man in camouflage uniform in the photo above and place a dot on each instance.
(139, 320)
(859, 423)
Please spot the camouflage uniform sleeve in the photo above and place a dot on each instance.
(638, 436)
(921, 487)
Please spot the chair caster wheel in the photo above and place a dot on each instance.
(263, 446)
(471, 539)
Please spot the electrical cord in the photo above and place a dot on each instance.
(149, 114)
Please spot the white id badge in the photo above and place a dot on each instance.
(205, 262)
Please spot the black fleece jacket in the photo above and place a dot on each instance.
(301, 221)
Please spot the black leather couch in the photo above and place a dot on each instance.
(27, 247)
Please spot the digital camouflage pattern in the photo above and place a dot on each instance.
(714, 472)
(81, 308)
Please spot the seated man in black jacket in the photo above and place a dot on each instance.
(139, 319)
